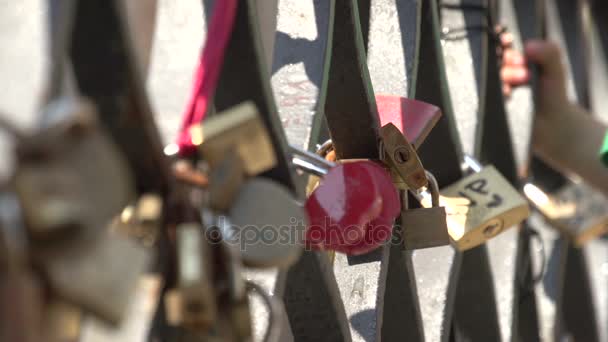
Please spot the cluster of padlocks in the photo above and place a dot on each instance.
(96, 205)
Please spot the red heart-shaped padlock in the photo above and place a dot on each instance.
(353, 209)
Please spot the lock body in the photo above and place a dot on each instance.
(192, 304)
(268, 223)
(576, 210)
(480, 206)
(241, 130)
(424, 228)
(401, 157)
(71, 180)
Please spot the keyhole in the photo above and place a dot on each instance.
(401, 155)
(492, 229)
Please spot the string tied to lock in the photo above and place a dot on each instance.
(207, 73)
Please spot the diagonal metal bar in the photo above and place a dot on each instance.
(106, 71)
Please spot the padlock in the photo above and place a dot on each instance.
(192, 304)
(69, 175)
(97, 260)
(578, 211)
(353, 209)
(241, 129)
(401, 157)
(425, 227)
(480, 206)
(71, 180)
(225, 180)
(268, 224)
(136, 324)
(415, 119)
(141, 221)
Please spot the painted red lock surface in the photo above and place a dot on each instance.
(353, 209)
(415, 119)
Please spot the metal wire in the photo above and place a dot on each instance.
(459, 33)
(524, 282)
(274, 312)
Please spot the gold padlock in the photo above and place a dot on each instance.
(576, 210)
(241, 129)
(225, 181)
(141, 221)
(193, 303)
(401, 157)
(425, 227)
(480, 206)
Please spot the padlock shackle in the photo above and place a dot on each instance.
(471, 164)
(434, 188)
(310, 162)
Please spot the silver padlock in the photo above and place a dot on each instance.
(268, 224)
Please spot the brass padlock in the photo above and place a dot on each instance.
(193, 303)
(141, 221)
(480, 206)
(239, 129)
(425, 227)
(401, 157)
(576, 210)
(225, 181)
